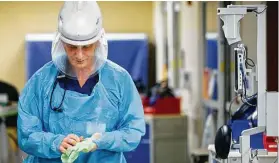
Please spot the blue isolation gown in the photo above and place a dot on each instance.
(113, 107)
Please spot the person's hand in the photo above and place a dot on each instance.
(69, 141)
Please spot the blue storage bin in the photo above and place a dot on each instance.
(256, 141)
(212, 54)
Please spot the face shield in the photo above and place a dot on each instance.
(80, 48)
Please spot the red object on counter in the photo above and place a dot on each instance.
(270, 143)
(145, 101)
(169, 105)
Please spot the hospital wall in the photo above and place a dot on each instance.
(19, 18)
(211, 16)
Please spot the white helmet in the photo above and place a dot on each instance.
(79, 24)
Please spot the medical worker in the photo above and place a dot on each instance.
(79, 94)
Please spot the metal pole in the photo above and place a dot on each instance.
(261, 59)
(160, 40)
(171, 49)
(221, 42)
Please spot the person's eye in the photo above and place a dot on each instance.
(86, 47)
(72, 47)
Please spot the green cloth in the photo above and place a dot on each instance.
(72, 153)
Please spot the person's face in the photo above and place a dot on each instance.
(80, 56)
